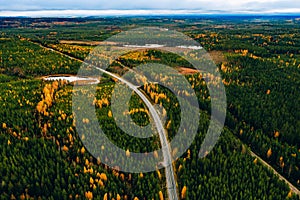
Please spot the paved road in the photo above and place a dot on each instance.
(170, 176)
(166, 150)
(292, 187)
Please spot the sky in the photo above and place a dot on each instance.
(111, 7)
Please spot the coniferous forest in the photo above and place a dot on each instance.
(43, 157)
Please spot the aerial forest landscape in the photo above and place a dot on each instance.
(51, 150)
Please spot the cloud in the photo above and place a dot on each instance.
(203, 5)
(85, 13)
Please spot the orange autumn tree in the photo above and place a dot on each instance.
(269, 153)
(183, 193)
(161, 196)
(89, 195)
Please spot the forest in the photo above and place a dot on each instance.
(44, 157)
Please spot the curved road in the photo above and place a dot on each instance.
(170, 176)
(166, 150)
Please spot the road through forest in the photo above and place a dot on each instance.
(170, 176)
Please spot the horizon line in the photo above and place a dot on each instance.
(138, 12)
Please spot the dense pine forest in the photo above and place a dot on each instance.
(42, 155)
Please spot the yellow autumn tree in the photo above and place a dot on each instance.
(55, 85)
(65, 148)
(118, 197)
(179, 168)
(169, 124)
(241, 131)
(109, 114)
(40, 106)
(100, 183)
(89, 195)
(188, 154)
(82, 150)
(105, 197)
(141, 175)
(290, 194)
(103, 177)
(91, 181)
(161, 196)
(269, 153)
(158, 174)
(281, 162)
(255, 161)
(127, 153)
(183, 193)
